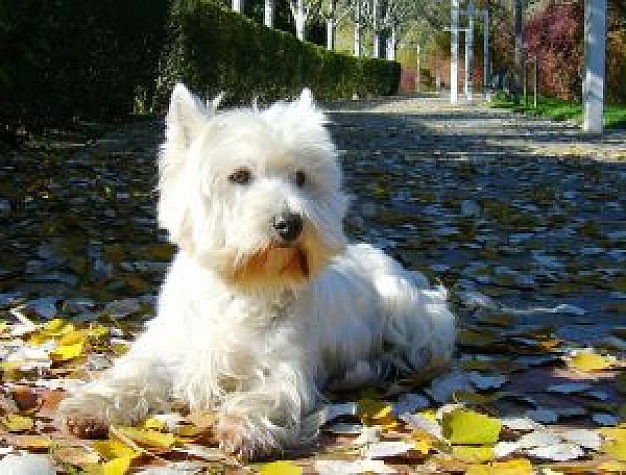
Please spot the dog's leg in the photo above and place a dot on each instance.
(419, 327)
(273, 415)
(135, 386)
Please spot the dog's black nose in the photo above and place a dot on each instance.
(288, 226)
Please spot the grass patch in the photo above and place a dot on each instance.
(557, 109)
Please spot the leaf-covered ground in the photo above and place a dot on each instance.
(523, 220)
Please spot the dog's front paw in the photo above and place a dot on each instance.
(86, 427)
(245, 439)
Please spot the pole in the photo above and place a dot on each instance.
(593, 85)
(454, 53)
(417, 74)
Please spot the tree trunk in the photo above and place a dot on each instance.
(299, 16)
(519, 48)
(358, 30)
(237, 6)
(469, 50)
(268, 13)
(454, 52)
(391, 44)
(330, 33)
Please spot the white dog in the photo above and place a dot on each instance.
(265, 304)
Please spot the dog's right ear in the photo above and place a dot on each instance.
(185, 118)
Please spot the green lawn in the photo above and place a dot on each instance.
(557, 109)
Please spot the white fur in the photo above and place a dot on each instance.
(250, 326)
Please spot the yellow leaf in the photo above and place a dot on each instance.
(65, 353)
(154, 423)
(512, 467)
(31, 442)
(612, 466)
(462, 426)
(423, 441)
(281, 467)
(471, 454)
(509, 467)
(57, 326)
(17, 423)
(429, 414)
(113, 449)
(119, 349)
(616, 449)
(98, 331)
(374, 412)
(587, 361)
(478, 470)
(117, 466)
(73, 337)
(148, 438)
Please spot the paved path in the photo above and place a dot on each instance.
(528, 212)
(523, 220)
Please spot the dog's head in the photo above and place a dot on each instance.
(252, 194)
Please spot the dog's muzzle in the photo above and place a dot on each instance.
(288, 226)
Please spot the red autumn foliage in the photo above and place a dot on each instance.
(555, 36)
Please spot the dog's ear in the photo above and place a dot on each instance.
(185, 118)
(306, 99)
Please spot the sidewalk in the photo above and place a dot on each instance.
(523, 220)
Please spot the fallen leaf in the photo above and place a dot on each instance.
(587, 361)
(30, 442)
(335, 467)
(112, 449)
(79, 456)
(472, 454)
(466, 427)
(65, 353)
(147, 438)
(281, 467)
(17, 423)
(557, 452)
(385, 449)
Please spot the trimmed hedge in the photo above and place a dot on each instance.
(63, 59)
(67, 59)
(213, 49)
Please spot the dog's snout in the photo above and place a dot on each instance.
(288, 226)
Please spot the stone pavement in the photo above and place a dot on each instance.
(524, 221)
(527, 212)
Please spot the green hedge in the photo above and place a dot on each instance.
(213, 49)
(62, 59)
(67, 59)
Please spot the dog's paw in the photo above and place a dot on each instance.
(241, 438)
(86, 427)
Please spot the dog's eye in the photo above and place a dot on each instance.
(241, 176)
(300, 178)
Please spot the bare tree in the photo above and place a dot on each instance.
(335, 11)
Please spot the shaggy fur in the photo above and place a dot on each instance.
(251, 323)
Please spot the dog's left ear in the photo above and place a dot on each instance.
(185, 118)
(306, 99)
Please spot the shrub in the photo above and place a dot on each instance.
(67, 59)
(214, 49)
